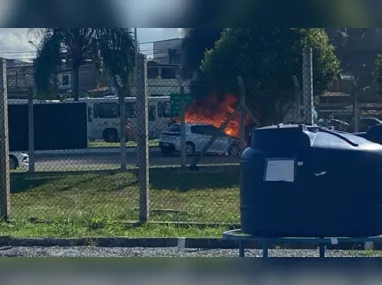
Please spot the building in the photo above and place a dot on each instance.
(167, 51)
(161, 79)
(20, 77)
(339, 92)
(164, 67)
(91, 80)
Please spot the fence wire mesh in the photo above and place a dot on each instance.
(77, 150)
(353, 102)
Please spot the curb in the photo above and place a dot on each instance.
(88, 152)
(203, 243)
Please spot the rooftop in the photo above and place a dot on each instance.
(168, 40)
(335, 94)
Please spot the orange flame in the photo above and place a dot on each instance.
(210, 110)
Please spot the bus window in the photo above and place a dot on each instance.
(90, 114)
(95, 111)
(166, 110)
(160, 109)
(131, 110)
(151, 113)
(108, 110)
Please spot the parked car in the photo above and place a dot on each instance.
(197, 136)
(365, 123)
(338, 125)
(18, 159)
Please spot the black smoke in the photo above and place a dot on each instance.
(194, 45)
(196, 41)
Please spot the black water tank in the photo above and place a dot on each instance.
(304, 181)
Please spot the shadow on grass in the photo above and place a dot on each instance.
(160, 179)
(74, 182)
(20, 185)
(45, 183)
(165, 179)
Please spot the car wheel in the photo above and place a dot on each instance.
(190, 148)
(110, 135)
(13, 163)
(234, 150)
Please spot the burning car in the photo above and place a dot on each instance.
(197, 136)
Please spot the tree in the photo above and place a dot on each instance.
(110, 49)
(357, 50)
(378, 73)
(267, 59)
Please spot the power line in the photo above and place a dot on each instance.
(141, 43)
(28, 55)
(29, 52)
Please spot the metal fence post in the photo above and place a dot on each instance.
(4, 144)
(243, 114)
(122, 121)
(307, 79)
(182, 124)
(355, 109)
(297, 96)
(142, 137)
(134, 89)
(31, 149)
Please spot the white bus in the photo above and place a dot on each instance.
(104, 118)
(25, 101)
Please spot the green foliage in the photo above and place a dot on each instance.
(112, 50)
(267, 59)
(47, 61)
(357, 49)
(116, 52)
(378, 73)
(45, 95)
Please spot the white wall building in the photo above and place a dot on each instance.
(161, 76)
(167, 51)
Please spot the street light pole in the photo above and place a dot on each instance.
(136, 42)
(33, 44)
(135, 93)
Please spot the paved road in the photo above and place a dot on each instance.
(99, 162)
(92, 151)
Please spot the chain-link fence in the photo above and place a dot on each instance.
(181, 143)
(353, 102)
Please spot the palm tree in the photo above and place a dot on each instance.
(110, 49)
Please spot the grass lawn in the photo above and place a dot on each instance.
(69, 229)
(128, 144)
(99, 204)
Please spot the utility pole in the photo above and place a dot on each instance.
(5, 190)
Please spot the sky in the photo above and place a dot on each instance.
(14, 42)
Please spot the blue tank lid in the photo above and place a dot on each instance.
(297, 136)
